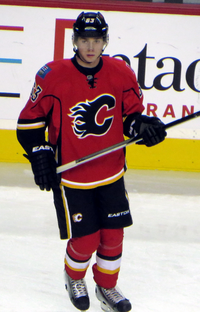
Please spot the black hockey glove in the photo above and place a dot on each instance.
(44, 167)
(150, 129)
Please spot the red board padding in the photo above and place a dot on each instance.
(111, 5)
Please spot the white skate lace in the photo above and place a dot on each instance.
(113, 295)
(78, 288)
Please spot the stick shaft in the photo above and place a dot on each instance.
(97, 154)
(120, 145)
(181, 120)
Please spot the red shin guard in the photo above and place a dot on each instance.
(109, 252)
(78, 254)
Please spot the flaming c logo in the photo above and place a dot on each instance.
(93, 117)
(77, 217)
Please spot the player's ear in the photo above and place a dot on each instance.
(73, 39)
(74, 43)
(105, 40)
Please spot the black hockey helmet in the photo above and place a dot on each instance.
(90, 24)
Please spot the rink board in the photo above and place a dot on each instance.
(172, 154)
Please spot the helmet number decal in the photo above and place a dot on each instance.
(90, 20)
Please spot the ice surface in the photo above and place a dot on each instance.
(161, 260)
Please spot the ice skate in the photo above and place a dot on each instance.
(112, 300)
(77, 292)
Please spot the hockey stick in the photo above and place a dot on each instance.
(120, 145)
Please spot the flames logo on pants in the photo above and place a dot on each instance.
(77, 217)
(93, 117)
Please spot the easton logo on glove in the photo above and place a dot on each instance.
(43, 148)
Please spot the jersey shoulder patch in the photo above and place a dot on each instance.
(43, 71)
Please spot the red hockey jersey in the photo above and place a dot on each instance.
(83, 110)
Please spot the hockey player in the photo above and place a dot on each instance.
(87, 103)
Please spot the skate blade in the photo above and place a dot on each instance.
(105, 307)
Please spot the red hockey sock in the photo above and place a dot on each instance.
(108, 258)
(78, 254)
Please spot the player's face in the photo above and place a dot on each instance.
(89, 50)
